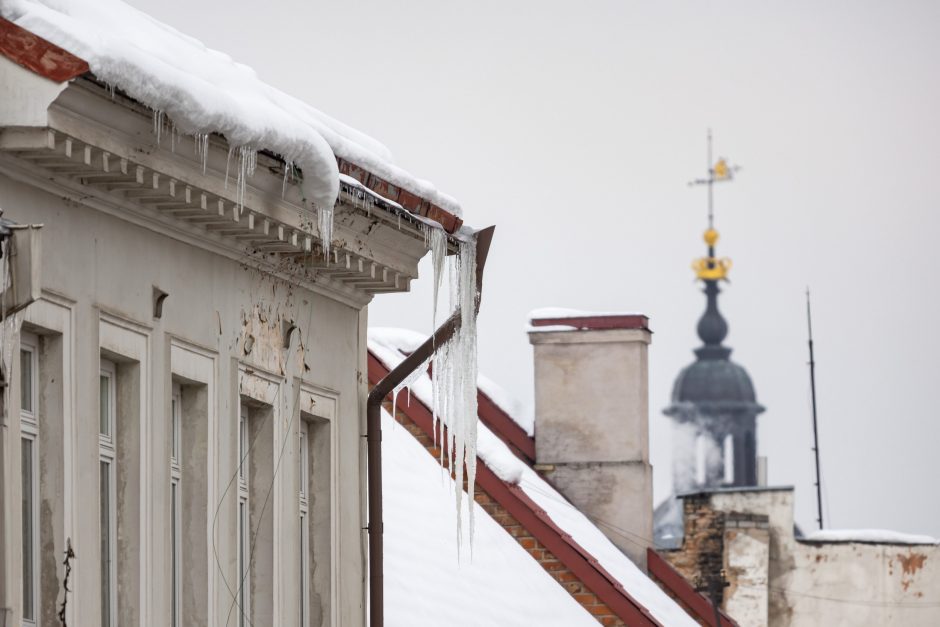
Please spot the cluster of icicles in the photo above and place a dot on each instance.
(246, 162)
(454, 376)
(454, 373)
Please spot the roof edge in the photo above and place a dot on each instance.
(48, 60)
(668, 577)
(38, 55)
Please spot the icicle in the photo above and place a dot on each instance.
(247, 161)
(228, 160)
(288, 171)
(454, 383)
(437, 241)
(158, 118)
(325, 228)
(201, 147)
(407, 383)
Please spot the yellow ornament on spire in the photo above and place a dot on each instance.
(710, 237)
(711, 268)
(721, 170)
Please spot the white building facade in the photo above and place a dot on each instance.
(184, 401)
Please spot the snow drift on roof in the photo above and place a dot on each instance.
(872, 536)
(205, 91)
(383, 344)
(425, 584)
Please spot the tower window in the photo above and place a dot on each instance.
(701, 459)
(728, 456)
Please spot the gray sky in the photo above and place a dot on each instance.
(574, 127)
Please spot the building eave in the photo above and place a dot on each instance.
(54, 63)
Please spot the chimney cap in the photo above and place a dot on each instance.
(560, 319)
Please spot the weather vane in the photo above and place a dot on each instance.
(711, 268)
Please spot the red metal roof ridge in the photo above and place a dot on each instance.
(410, 201)
(597, 322)
(503, 425)
(498, 421)
(587, 569)
(38, 55)
(669, 577)
(541, 513)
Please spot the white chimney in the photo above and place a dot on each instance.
(592, 418)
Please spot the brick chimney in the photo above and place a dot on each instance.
(592, 418)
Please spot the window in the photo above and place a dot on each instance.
(29, 427)
(244, 536)
(108, 516)
(729, 458)
(304, 531)
(701, 459)
(176, 411)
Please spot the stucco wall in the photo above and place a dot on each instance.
(835, 584)
(804, 583)
(99, 272)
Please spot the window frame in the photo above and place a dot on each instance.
(243, 513)
(107, 454)
(176, 473)
(29, 433)
(304, 509)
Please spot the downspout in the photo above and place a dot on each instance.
(374, 434)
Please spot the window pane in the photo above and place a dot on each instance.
(242, 443)
(104, 396)
(26, 380)
(174, 497)
(175, 447)
(242, 575)
(29, 610)
(105, 498)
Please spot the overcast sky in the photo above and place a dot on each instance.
(574, 128)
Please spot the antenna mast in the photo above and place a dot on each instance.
(812, 387)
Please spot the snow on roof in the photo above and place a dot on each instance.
(206, 91)
(384, 345)
(870, 536)
(425, 583)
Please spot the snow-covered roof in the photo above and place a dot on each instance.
(205, 91)
(868, 536)
(426, 583)
(389, 347)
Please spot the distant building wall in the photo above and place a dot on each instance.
(777, 580)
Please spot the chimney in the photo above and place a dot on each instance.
(592, 418)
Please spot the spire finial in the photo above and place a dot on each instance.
(712, 327)
(711, 268)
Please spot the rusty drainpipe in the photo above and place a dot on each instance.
(374, 434)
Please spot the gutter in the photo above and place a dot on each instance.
(374, 434)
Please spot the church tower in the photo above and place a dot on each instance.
(714, 408)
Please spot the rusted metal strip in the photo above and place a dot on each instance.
(38, 55)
